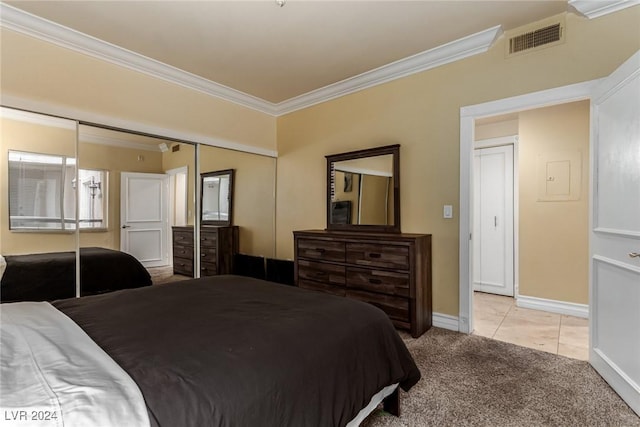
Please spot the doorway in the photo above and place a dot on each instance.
(548, 308)
(469, 115)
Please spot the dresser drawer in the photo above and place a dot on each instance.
(180, 251)
(319, 272)
(182, 238)
(385, 282)
(322, 287)
(397, 308)
(208, 269)
(208, 255)
(321, 250)
(208, 240)
(376, 255)
(183, 266)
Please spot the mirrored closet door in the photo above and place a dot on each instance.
(38, 193)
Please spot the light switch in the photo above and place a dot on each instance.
(447, 211)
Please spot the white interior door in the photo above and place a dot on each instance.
(144, 217)
(615, 236)
(493, 220)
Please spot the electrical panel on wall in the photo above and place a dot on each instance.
(559, 176)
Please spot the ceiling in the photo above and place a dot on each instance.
(278, 53)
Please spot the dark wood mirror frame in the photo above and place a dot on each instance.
(204, 175)
(394, 150)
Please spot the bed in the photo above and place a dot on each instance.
(51, 276)
(221, 351)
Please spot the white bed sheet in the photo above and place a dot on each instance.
(373, 404)
(53, 374)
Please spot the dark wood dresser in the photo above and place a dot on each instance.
(218, 246)
(390, 271)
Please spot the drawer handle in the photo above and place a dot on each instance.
(374, 255)
(319, 250)
(375, 281)
(319, 273)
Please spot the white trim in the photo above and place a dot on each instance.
(450, 52)
(116, 122)
(38, 119)
(625, 233)
(597, 8)
(468, 115)
(34, 26)
(445, 321)
(495, 142)
(553, 306)
(617, 379)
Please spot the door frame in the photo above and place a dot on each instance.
(182, 170)
(468, 115)
(514, 141)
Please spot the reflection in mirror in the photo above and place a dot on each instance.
(363, 190)
(41, 191)
(217, 191)
(37, 222)
(253, 195)
(120, 172)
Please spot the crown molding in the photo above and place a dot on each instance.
(597, 8)
(25, 23)
(441, 55)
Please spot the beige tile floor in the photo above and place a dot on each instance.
(497, 317)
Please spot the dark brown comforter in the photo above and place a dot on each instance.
(236, 351)
(51, 276)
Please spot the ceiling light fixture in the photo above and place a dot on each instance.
(281, 2)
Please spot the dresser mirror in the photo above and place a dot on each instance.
(363, 190)
(216, 197)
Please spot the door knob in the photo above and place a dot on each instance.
(634, 255)
(126, 226)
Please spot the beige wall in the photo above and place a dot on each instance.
(496, 130)
(554, 244)
(253, 195)
(34, 138)
(43, 72)
(422, 113)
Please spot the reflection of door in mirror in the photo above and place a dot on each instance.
(366, 185)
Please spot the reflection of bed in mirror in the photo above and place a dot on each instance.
(50, 276)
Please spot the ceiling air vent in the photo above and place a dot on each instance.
(542, 35)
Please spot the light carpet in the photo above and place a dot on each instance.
(469, 380)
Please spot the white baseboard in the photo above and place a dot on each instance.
(445, 321)
(553, 306)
